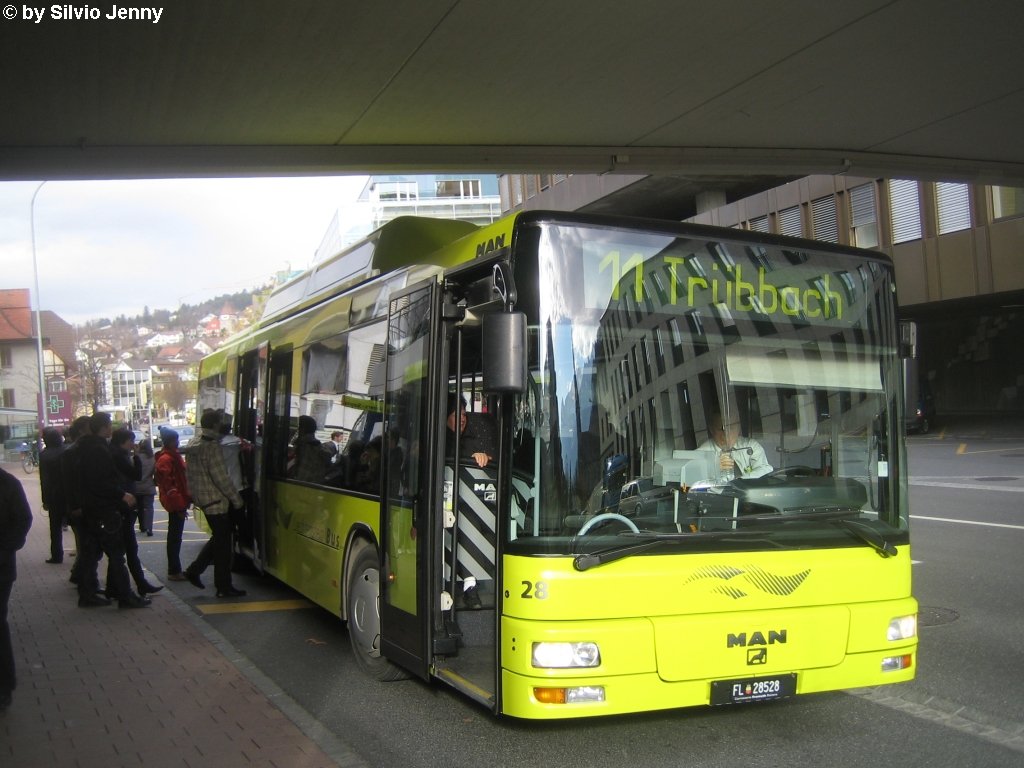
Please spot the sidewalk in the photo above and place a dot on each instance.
(155, 687)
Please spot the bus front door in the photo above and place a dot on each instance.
(251, 387)
(407, 530)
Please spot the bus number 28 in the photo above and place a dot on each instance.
(538, 590)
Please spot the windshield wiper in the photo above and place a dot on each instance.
(831, 514)
(840, 516)
(585, 562)
(837, 515)
(869, 536)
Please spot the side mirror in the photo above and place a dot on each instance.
(504, 352)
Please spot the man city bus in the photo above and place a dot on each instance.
(615, 567)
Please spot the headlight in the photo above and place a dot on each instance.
(902, 628)
(566, 655)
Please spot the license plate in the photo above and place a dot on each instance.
(752, 689)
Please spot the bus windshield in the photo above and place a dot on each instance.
(704, 393)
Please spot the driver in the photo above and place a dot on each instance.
(737, 456)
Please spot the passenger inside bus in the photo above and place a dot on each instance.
(345, 468)
(476, 438)
(477, 452)
(367, 478)
(311, 460)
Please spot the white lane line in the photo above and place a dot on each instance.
(967, 522)
(981, 725)
(969, 486)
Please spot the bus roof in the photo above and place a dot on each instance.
(401, 242)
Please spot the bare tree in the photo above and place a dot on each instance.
(88, 385)
(173, 393)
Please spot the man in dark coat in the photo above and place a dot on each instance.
(51, 486)
(73, 507)
(15, 520)
(102, 496)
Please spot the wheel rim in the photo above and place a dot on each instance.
(364, 618)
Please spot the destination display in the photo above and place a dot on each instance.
(678, 276)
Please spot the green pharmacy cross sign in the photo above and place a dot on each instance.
(54, 404)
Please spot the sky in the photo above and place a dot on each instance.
(110, 248)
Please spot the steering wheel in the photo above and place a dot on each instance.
(605, 517)
(797, 470)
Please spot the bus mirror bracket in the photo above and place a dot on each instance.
(908, 339)
(503, 348)
(503, 284)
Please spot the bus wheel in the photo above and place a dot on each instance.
(364, 618)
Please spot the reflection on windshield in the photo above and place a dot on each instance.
(650, 416)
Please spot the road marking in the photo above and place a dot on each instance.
(983, 725)
(969, 486)
(967, 522)
(253, 606)
(962, 451)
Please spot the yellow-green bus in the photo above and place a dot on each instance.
(696, 483)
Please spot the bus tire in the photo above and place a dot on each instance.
(363, 615)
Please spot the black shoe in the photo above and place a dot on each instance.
(55, 561)
(149, 533)
(133, 601)
(5, 700)
(92, 601)
(194, 578)
(149, 589)
(230, 592)
(471, 599)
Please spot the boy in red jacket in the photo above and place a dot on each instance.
(172, 483)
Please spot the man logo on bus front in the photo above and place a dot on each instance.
(756, 656)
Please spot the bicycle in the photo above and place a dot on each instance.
(29, 460)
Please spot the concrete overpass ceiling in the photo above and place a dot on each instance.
(920, 88)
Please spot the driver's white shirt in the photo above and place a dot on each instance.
(753, 464)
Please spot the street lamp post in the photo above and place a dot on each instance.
(39, 311)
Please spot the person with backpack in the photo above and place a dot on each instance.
(172, 485)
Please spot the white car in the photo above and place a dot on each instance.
(185, 433)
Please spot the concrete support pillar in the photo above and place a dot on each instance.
(710, 199)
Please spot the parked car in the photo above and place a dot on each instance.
(642, 497)
(185, 433)
(922, 418)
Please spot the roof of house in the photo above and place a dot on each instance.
(17, 323)
(15, 315)
(59, 336)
